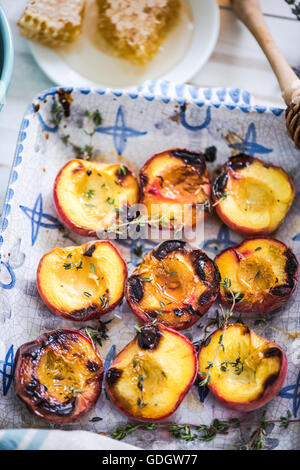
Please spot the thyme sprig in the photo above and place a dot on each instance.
(223, 323)
(74, 391)
(97, 335)
(257, 437)
(208, 206)
(204, 432)
(142, 221)
(122, 431)
(85, 152)
(185, 432)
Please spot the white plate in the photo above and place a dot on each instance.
(84, 64)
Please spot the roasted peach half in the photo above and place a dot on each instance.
(82, 282)
(150, 377)
(245, 370)
(175, 284)
(176, 187)
(264, 272)
(59, 375)
(91, 196)
(252, 197)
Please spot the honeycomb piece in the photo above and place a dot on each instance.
(136, 28)
(52, 22)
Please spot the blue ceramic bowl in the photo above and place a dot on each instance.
(6, 55)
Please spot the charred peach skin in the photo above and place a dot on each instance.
(248, 373)
(82, 282)
(173, 183)
(252, 197)
(91, 196)
(150, 377)
(264, 271)
(174, 284)
(59, 375)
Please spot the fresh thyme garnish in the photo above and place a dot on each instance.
(85, 152)
(146, 279)
(141, 379)
(204, 432)
(122, 431)
(223, 323)
(140, 403)
(90, 193)
(158, 312)
(89, 205)
(104, 300)
(184, 432)
(74, 391)
(98, 334)
(207, 205)
(141, 221)
(138, 251)
(110, 201)
(95, 419)
(92, 268)
(68, 266)
(87, 294)
(138, 329)
(122, 170)
(221, 198)
(258, 248)
(226, 283)
(95, 116)
(285, 420)
(237, 365)
(258, 435)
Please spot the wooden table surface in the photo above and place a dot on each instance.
(236, 62)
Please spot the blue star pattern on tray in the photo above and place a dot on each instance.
(107, 362)
(46, 127)
(119, 131)
(249, 145)
(8, 269)
(202, 393)
(197, 127)
(6, 370)
(39, 219)
(296, 238)
(292, 392)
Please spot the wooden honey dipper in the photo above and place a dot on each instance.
(249, 12)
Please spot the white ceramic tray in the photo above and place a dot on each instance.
(135, 125)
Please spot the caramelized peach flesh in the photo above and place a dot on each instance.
(82, 282)
(91, 196)
(247, 373)
(252, 197)
(174, 284)
(175, 187)
(264, 272)
(59, 375)
(150, 377)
